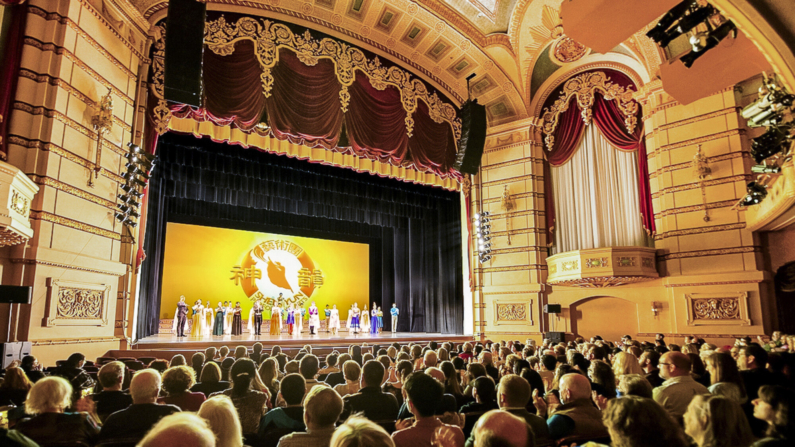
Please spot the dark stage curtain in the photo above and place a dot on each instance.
(413, 231)
(9, 65)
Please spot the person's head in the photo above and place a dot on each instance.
(717, 421)
(237, 304)
(358, 431)
(637, 421)
(293, 388)
(500, 428)
(322, 408)
(625, 363)
(242, 374)
(649, 360)
(372, 374)
(514, 392)
(430, 359)
(75, 360)
(601, 373)
(635, 385)
(110, 376)
(178, 379)
(674, 364)
(241, 352)
(269, 371)
(257, 347)
(776, 406)
(351, 371)
(331, 359)
(197, 360)
(486, 358)
(221, 415)
(182, 298)
(723, 368)
(183, 429)
(574, 387)
(211, 373)
(177, 360)
(483, 389)
(223, 351)
(49, 395)
(752, 356)
(423, 393)
(29, 363)
(548, 362)
(309, 367)
(145, 386)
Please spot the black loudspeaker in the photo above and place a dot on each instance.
(184, 51)
(552, 309)
(15, 294)
(473, 138)
(555, 337)
(10, 352)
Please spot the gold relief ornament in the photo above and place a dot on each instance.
(511, 312)
(161, 112)
(278, 267)
(583, 88)
(569, 50)
(20, 204)
(716, 308)
(79, 303)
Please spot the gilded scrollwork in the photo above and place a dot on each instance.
(20, 203)
(716, 308)
(511, 312)
(71, 303)
(268, 37)
(79, 303)
(162, 114)
(583, 88)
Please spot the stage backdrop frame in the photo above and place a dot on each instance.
(414, 231)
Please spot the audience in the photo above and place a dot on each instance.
(177, 380)
(513, 395)
(422, 396)
(576, 415)
(775, 405)
(290, 417)
(111, 399)
(210, 380)
(32, 368)
(351, 370)
(221, 416)
(500, 428)
(47, 403)
(322, 409)
(752, 362)
(375, 404)
(402, 371)
(649, 362)
(635, 385)
(15, 387)
(309, 367)
(249, 403)
(639, 422)
(484, 392)
(72, 370)
(360, 432)
(717, 421)
(725, 378)
(679, 388)
(133, 422)
(180, 430)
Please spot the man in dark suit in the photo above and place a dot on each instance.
(111, 399)
(182, 316)
(376, 405)
(512, 396)
(752, 361)
(134, 422)
(650, 361)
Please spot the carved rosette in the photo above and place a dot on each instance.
(583, 88)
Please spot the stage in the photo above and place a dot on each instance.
(166, 345)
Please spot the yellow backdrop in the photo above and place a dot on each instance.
(220, 264)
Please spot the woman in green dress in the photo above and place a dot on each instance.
(220, 311)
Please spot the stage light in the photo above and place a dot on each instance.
(658, 32)
(756, 193)
(128, 199)
(764, 169)
(681, 19)
(707, 41)
(775, 140)
(131, 191)
(128, 210)
(769, 108)
(125, 220)
(135, 169)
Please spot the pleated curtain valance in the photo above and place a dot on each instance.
(604, 97)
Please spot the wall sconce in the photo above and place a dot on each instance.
(507, 204)
(102, 122)
(702, 170)
(655, 308)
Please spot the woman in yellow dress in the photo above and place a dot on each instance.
(197, 319)
(276, 320)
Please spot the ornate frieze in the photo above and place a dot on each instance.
(510, 311)
(717, 309)
(71, 303)
(602, 267)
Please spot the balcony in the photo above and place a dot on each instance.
(16, 195)
(602, 267)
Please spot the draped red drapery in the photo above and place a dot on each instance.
(610, 120)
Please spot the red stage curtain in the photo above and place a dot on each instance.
(429, 144)
(237, 77)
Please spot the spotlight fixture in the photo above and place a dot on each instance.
(703, 42)
(770, 143)
(765, 169)
(770, 107)
(137, 175)
(679, 20)
(756, 193)
(483, 234)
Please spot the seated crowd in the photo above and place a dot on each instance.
(595, 392)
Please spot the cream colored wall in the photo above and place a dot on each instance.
(72, 55)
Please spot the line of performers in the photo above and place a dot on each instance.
(227, 320)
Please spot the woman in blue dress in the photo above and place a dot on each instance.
(374, 322)
(291, 320)
(220, 313)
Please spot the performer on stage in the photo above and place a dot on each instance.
(374, 321)
(237, 320)
(314, 318)
(355, 319)
(208, 319)
(180, 317)
(333, 323)
(328, 314)
(229, 314)
(220, 312)
(276, 319)
(364, 320)
(380, 320)
(299, 320)
(257, 317)
(291, 320)
(196, 319)
(394, 312)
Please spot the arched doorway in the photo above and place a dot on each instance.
(608, 316)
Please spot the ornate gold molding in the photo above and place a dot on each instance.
(269, 37)
(49, 217)
(137, 19)
(717, 309)
(523, 195)
(55, 149)
(689, 164)
(715, 283)
(520, 178)
(719, 181)
(702, 230)
(513, 162)
(61, 186)
(690, 209)
(74, 341)
(63, 266)
(71, 303)
(601, 281)
(702, 253)
(696, 141)
(583, 88)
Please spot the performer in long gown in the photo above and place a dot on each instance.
(355, 319)
(220, 311)
(314, 319)
(180, 318)
(349, 322)
(251, 329)
(276, 319)
(374, 321)
(334, 320)
(299, 320)
(198, 316)
(257, 320)
(229, 314)
(237, 320)
(291, 320)
(208, 319)
(364, 320)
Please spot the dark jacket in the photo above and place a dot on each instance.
(446, 404)
(49, 428)
(208, 388)
(537, 423)
(334, 379)
(135, 421)
(654, 378)
(376, 405)
(109, 402)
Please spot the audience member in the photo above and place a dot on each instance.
(639, 422)
(513, 395)
(484, 392)
(724, 376)
(256, 353)
(291, 417)
(401, 371)
(177, 380)
(679, 387)
(269, 374)
(15, 387)
(423, 394)
(250, 404)
(649, 362)
(603, 379)
(133, 422)
(111, 399)
(635, 385)
(500, 428)
(547, 371)
(351, 370)
(775, 405)
(717, 421)
(47, 403)
(210, 380)
(576, 416)
(486, 359)
(752, 362)
(197, 363)
(72, 370)
(371, 400)
(360, 432)
(337, 377)
(180, 430)
(309, 367)
(221, 416)
(32, 368)
(177, 360)
(322, 409)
